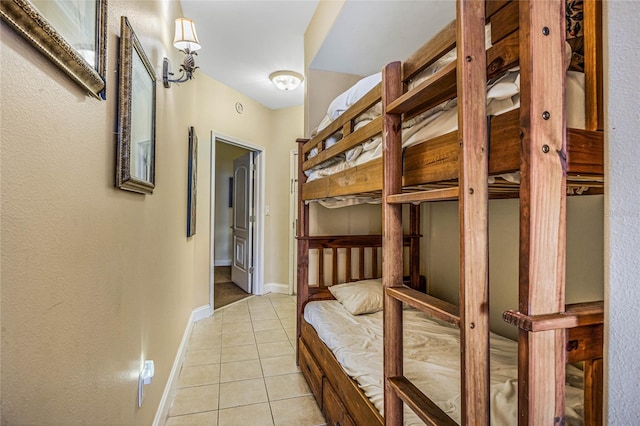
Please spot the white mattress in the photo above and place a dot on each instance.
(431, 361)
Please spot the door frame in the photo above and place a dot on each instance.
(293, 216)
(258, 197)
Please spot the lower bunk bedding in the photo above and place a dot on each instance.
(431, 361)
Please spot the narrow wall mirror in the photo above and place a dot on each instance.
(71, 34)
(135, 163)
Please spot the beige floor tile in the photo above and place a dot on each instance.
(195, 400)
(245, 392)
(234, 319)
(286, 386)
(279, 365)
(284, 305)
(237, 339)
(203, 357)
(199, 375)
(263, 315)
(241, 307)
(269, 350)
(291, 333)
(239, 353)
(266, 306)
(261, 325)
(276, 296)
(242, 370)
(266, 336)
(287, 319)
(288, 322)
(258, 302)
(254, 415)
(301, 411)
(207, 331)
(210, 323)
(202, 342)
(238, 327)
(209, 418)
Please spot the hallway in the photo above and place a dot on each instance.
(240, 369)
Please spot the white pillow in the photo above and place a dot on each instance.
(360, 297)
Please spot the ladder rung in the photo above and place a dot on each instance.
(576, 315)
(436, 89)
(431, 305)
(423, 196)
(426, 409)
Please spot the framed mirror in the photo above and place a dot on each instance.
(71, 34)
(136, 147)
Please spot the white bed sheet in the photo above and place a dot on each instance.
(431, 361)
(502, 97)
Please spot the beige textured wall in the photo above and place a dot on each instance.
(95, 279)
(287, 126)
(585, 271)
(322, 87)
(321, 22)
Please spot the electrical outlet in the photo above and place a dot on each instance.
(148, 370)
(267, 210)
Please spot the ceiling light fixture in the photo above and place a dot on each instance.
(186, 41)
(286, 80)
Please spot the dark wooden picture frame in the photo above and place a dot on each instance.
(192, 182)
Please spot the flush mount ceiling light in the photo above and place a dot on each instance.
(286, 80)
(186, 41)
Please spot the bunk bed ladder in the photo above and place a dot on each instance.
(472, 317)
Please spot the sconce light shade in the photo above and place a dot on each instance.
(187, 42)
(185, 38)
(286, 80)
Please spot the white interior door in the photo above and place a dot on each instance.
(243, 218)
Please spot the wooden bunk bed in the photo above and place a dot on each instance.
(532, 141)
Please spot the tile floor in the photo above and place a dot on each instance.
(240, 369)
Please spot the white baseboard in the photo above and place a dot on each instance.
(163, 408)
(276, 288)
(222, 262)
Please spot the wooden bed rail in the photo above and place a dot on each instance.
(365, 245)
(346, 123)
(368, 249)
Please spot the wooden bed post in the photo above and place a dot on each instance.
(473, 213)
(303, 247)
(392, 240)
(541, 355)
(593, 64)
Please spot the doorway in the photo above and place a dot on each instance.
(235, 190)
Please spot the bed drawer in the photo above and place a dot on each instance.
(335, 413)
(311, 372)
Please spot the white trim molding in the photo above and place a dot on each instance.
(276, 288)
(165, 402)
(260, 189)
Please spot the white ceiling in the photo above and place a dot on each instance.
(369, 34)
(244, 41)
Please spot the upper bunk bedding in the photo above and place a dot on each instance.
(503, 95)
(347, 148)
(431, 361)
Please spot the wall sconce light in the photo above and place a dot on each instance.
(286, 80)
(186, 41)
